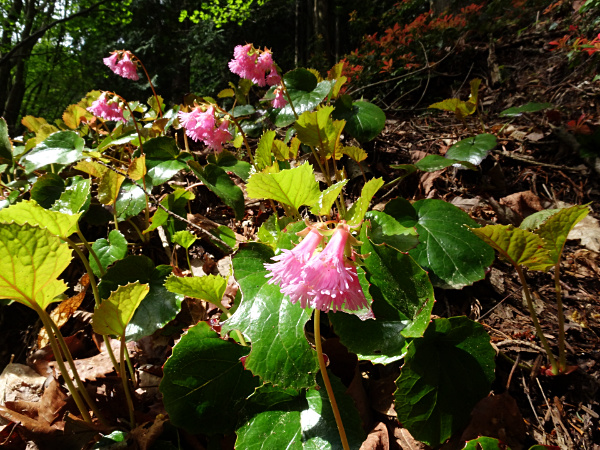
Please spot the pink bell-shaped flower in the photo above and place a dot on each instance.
(107, 109)
(201, 125)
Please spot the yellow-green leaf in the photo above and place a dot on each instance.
(226, 93)
(109, 187)
(210, 288)
(263, 151)
(357, 212)
(114, 313)
(519, 247)
(31, 260)
(356, 153)
(28, 211)
(137, 168)
(323, 206)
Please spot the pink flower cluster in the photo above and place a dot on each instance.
(120, 63)
(325, 280)
(108, 109)
(257, 66)
(202, 125)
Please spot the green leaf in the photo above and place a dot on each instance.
(114, 313)
(28, 211)
(217, 180)
(315, 128)
(526, 108)
(355, 153)
(163, 159)
(108, 251)
(364, 121)
(303, 423)
(76, 197)
(158, 308)
(243, 110)
(327, 198)
(445, 373)
(204, 383)
(484, 443)
(280, 353)
(209, 288)
(357, 212)
(303, 101)
(447, 249)
(400, 288)
(109, 187)
(47, 189)
(6, 148)
(300, 80)
(379, 341)
(292, 187)
(230, 163)
(131, 200)
(184, 238)
(536, 219)
(61, 148)
(263, 153)
(31, 260)
(555, 230)
(519, 247)
(432, 163)
(386, 229)
(473, 149)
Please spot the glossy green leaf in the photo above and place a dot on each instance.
(555, 230)
(379, 341)
(131, 200)
(61, 148)
(327, 198)
(108, 251)
(484, 443)
(227, 235)
(302, 101)
(31, 260)
(280, 353)
(364, 120)
(433, 163)
(204, 383)
(209, 288)
(386, 229)
(28, 211)
(400, 288)
(6, 148)
(519, 247)
(163, 159)
(303, 423)
(526, 108)
(243, 110)
(47, 189)
(453, 257)
(358, 210)
(536, 219)
(300, 80)
(217, 180)
(292, 187)
(184, 238)
(474, 149)
(75, 198)
(230, 163)
(115, 312)
(445, 373)
(158, 308)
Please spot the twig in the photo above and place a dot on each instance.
(534, 162)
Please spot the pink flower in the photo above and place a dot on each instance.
(111, 61)
(279, 101)
(327, 280)
(107, 109)
(288, 268)
(124, 66)
(201, 125)
(253, 64)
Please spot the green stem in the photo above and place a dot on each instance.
(126, 384)
(287, 94)
(61, 364)
(323, 368)
(90, 250)
(238, 332)
(130, 367)
(151, 85)
(187, 256)
(97, 300)
(562, 357)
(137, 229)
(69, 357)
(536, 323)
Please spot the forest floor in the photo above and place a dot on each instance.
(536, 165)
